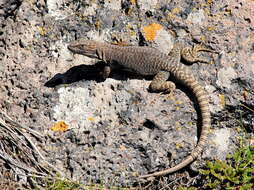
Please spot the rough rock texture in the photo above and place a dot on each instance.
(117, 129)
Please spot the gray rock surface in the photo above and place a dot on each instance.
(117, 129)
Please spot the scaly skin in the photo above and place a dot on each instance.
(149, 61)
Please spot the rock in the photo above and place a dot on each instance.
(225, 77)
(118, 129)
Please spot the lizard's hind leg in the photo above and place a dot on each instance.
(160, 83)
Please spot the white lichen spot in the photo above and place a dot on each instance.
(197, 17)
(52, 6)
(98, 36)
(164, 40)
(82, 108)
(113, 4)
(91, 10)
(225, 76)
(221, 141)
(72, 106)
(54, 9)
(59, 49)
(251, 65)
(147, 4)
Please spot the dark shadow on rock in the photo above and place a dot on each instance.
(77, 73)
(89, 72)
(10, 7)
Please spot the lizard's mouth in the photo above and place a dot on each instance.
(83, 50)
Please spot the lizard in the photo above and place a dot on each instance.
(145, 61)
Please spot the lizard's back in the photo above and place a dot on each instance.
(142, 60)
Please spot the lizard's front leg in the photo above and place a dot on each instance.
(160, 83)
(192, 55)
(106, 71)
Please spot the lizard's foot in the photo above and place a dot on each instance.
(166, 87)
(202, 47)
(106, 72)
(192, 55)
(160, 83)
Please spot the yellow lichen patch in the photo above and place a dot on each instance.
(207, 11)
(179, 102)
(97, 24)
(132, 33)
(133, 2)
(60, 126)
(222, 99)
(238, 129)
(178, 126)
(228, 12)
(179, 145)
(92, 119)
(210, 28)
(131, 30)
(150, 31)
(170, 96)
(171, 16)
(246, 94)
(210, 131)
(176, 10)
(202, 38)
(123, 148)
(252, 141)
(173, 12)
(209, 1)
(43, 31)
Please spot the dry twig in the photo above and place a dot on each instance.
(20, 154)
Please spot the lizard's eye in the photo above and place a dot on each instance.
(81, 46)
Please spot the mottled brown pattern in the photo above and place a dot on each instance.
(150, 61)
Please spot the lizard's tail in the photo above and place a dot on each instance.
(202, 100)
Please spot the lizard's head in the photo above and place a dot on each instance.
(85, 47)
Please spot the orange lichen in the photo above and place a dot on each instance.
(60, 126)
(150, 31)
